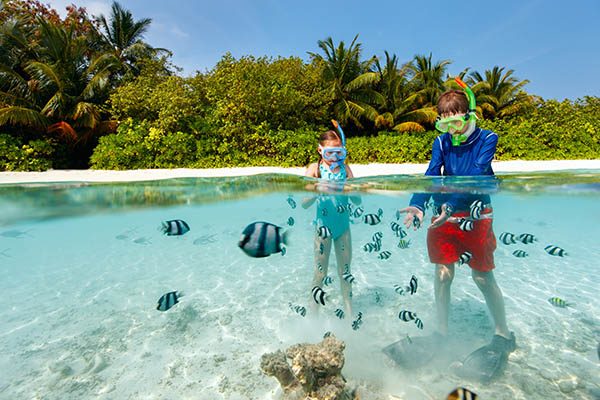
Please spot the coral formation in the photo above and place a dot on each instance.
(315, 373)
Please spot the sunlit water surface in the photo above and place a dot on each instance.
(83, 266)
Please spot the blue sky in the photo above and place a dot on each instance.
(553, 44)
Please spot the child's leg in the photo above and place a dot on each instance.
(493, 298)
(322, 251)
(343, 254)
(444, 274)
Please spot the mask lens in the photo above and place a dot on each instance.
(456, 122)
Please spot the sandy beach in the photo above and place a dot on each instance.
(360, 170)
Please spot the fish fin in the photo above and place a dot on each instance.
(285, 237)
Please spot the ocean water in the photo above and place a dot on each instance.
(83, 266)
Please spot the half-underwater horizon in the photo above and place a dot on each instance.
(85, 264)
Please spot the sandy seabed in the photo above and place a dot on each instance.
(360, 170)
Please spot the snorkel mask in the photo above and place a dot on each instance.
(336, 155)
(458, 122)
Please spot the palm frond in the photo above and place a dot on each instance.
(409, 127)
(15, 115)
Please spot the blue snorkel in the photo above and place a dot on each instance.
(339, 153)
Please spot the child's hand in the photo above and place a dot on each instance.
(412, 213)
(440, 220)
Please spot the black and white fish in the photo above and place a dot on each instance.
(371, 219)
(465, 225)
(519, 253)
(414, 285)
(327, 280)
(357, 322)
(407, 316)
(324, 212)
(384, 255)
(377, 236)
(508, 238)
(475, 209)
(358, 212)
(461, 394)
(395, 226)
(348, 277)
(416, 222)
(465, 257)
(419, 323)
(558, 302)
(261, 239)
(555, 251)
(291, 202)
(339, 313)
(300, 310)
(401, 233)
(401, 290)
(369, 247)
(175, 227)
(320, 267)
(168, 300)
(340, 209)
(326, 334)
(404, 244)
(318, 295)
(321, 248)
(527, 238)
(290, 221)
(324, 232)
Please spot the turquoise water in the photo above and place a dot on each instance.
(83, 266)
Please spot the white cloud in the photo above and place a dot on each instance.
(93, 7)
(178, 32)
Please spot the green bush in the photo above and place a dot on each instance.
(140, 146)
(16, 156)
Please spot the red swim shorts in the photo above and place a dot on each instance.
(446, 243)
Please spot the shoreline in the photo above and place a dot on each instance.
(360, 170)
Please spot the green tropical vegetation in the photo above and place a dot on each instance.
(89, 92)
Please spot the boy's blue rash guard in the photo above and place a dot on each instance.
(471, 158)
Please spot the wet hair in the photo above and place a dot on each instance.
(329, 135)
(453, 102)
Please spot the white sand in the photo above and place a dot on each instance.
(360, 170)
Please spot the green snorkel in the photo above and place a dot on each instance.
(458, 123)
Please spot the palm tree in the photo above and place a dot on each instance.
(428, 79)
(62, 90)
(123, 35)
(349, 81)
(400, 111)
(498, 94)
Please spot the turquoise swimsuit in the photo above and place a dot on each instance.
(328, 210)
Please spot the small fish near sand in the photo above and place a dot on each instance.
(508, 238)
(371, 219)
(168, 300)
(348, 277)
(291, 221)
(555, 251)
(377, 236)
(526, 238)
(384, 255)
(339, 313)
(357, 322)
(461, 394)
(319, 295)
(358, 212)
(298, 309)
(261, 239)
(291, 202)
(413, 285)
(175, 227)
(407, 316)
(519, 254)
(404, 244)
(324, 232)
(419, 323)
(327, 280)
(558, 302)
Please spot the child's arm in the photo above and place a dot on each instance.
(355, 196)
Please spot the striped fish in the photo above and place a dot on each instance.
(298, 309)
(261, 239)
(416, 222)
(461, 394)
(465, 225)
(291, 202)
(419, 323)
(339, 313)
(323, 232)
(401, 290)
(555, 251)
(465, 257)
(372, 219)
(318, 295)
(168, 300)
(384, 255)
(475, 209)
(380, 212)
(407, 315)
(321, 248)
(558, 302)
(377, 236)
(324, 212)
(507, 238)
(369, 247)
(348, 277)
(175, 227)
(290, 221)
(520, 253)
(413, 285)
(527, 238)
(358, 212)
(357, 322)
(404, 244)
(340, 209)
(327, 280)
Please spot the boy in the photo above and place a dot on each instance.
(461, 231)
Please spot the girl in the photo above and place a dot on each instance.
(333, 222)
